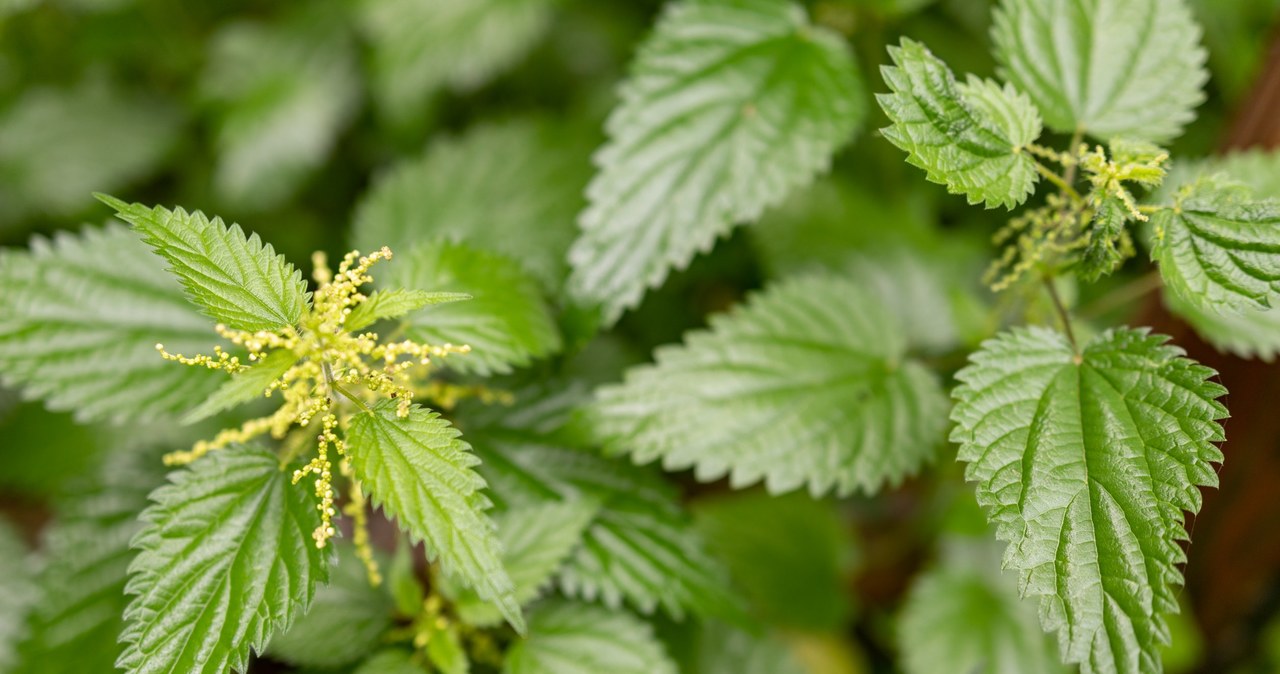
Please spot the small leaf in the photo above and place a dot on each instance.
(569, 638)
(348, 606)
(1085, 463)
(387, 304)
(79, 321)
(235, 280)
(18, 594)
(1219, 249)
(446, 652)
(969, 137)
(422, 475)
(730, 105)
(244, 386)
(725, 650)
(806, 385)
(225, 560)
(506, 323)
(1130, 68)
(391, 661)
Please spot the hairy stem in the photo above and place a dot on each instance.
(1062, 314)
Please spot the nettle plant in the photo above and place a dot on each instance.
(540, 543)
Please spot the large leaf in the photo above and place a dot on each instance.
(280, 96)
(1130, 68)
(235, 280)
(512, 188)
(225, 560)
(809, 384)
(569, 638)
(420, 46)
(730, 105)
(76, 625)
(422, 475)
(1085, 463)
(79, 321)
(1219, 249)
(969, 137)
(506, 322)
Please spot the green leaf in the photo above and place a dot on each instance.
(962, 619)
(79, 321)
(807, 384)
(1248, 333)
(569, 638)
(386, 304)
(280, 95)
(235, 280)
(76, 625)
(1219, 249)
(788, 555)
(420, 46)
(724, 650)
(18, 594)
(391, 661)
(349, 606)
(536, 540)
(421, 474)
(225, 560)
(1131, 68)
(244, 386)
(513, 188)
(1086, 463)
(402, 581)
(1104, 254)
(506, 323)
(446, 652)
(59, 145)
(969, 137)
(730, 105)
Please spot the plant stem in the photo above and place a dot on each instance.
(1062, 314)
(1126, 293)
(333, 384)
(1061, 182)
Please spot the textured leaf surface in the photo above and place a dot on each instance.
(244, 386)
(967, 136)
(730, 105)
(506, 322)
(235, 280)
(570, 638)
(536, 540)
(1086, 464)
(420, 46)
(806, 385)
(513, 188)
(787, 555)
(1130, 68)
(345, 622)
(385, 304)
(77, 623)
(1219, 249)
(18, 593)
(79, 321)
(225, 560)
(280, 96)
(420, 472)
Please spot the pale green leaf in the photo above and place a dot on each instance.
(719, 649)
(76, 625)
(420, 46)
(386, 304)
(421, 474)
(348, 606)
(225, 560)
(446, 652)
(1131, 68)
(235, 280)
(392, 661)
(970, 137)
(808, 384)
(57, 146)
(1218, 248)
(506, 322)
(536, 540)
(79, 321)
(787, 554)
(279, 94)
(570, 638)
(18, 593)
(244, 386)
(730, 105)
(1085, 463)
(513, 187)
